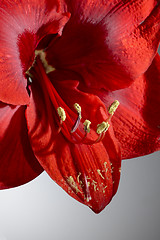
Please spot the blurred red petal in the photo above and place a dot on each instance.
(151, 111)
(22, 25)
(137, 120)
(18, 164)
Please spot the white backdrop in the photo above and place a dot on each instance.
(40, 210)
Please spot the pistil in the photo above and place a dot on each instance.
(78, 110)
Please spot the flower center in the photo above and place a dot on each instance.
(70, 122)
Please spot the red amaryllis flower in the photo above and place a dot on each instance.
(62, 64)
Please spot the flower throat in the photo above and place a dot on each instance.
(70, 122)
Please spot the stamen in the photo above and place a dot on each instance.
(61, 113)
(102, 127)
(78, 137)
(113, 107)
(78, 109)
(87, 124)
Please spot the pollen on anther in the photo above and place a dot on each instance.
(77, 108)
(113, 107)
(61, 113)
(87, 124)
(102, 127)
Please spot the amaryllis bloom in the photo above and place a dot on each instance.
(65, 66)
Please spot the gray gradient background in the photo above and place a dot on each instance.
(40, 210)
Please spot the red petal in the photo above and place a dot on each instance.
(83, 48)
(84, 172)
(93, 109)
(71, 90)
(81, 170)
(112, 147)
(17, 164)
(136, 47)
(106, 41)
(95, 11)
(137, 120)
(22, 25)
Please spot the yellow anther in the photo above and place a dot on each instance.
(113, 107)
(102, 127)
(87, 124)
(61, 113)
(78, 108)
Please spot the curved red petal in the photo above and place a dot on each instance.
(136, 47)
(95, 10)
(137, 120)
(112, 147)
(151, 112)
(84, 171)
(108, 43)
(18, 164)
(70, 88)
(83, 48)
(94, 110)
(22, 25)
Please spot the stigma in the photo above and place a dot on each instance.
(77, 107)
